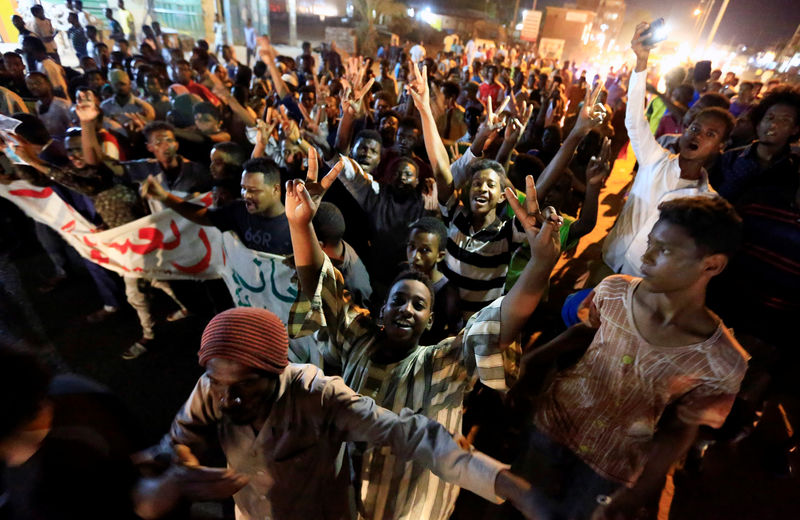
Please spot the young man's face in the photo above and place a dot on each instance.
(259, 196)
(672, 261)
(406, 140)
(367, 153)
(227, 53)
(219, 163)
(423, 251)
(381, 106)
(778, 125)
(241, 392)
(38, 86)
(702, 139)
(153, 86)
(388, 129)
(182, 73)
(485, 192)
(163, 145)
(308, 99)
(121, 86)
(96, 82)
(14, 65)
(407, 177)
(75, 152)
(407, 311)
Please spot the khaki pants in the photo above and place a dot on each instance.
(138, 301)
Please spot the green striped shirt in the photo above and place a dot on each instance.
(431, 380)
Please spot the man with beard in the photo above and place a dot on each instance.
(258, 219)
(281, 427)
(52, 110)
(390, 207)
(405, 142)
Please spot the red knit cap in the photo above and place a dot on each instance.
(253, 337)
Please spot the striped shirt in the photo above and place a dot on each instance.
(431, 380)
(477, 262)
(606, 408)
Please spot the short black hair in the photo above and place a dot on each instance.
(24, 382)
(450, 89)
(431, 225)
(206, 108)
(486, 164)
(265, 166)
(409, 122)
(711, 221)
(783, 95)
(369, 135)
(720, 114)
(391, 113)
(236, 152)
(384, 95)
(39, 75)
(31, 128)
(157, 126)
(418, 276)
(524, 164)
(714, 99)
(329, 223)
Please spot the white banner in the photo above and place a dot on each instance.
(165, 246)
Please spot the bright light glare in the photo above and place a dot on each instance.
(697, 12)
(410, 12)
(518, 27)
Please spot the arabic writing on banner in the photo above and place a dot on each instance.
(166, 246)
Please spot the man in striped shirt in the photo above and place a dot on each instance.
(386, 362)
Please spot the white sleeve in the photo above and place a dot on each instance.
(644, 144)
(460, 167)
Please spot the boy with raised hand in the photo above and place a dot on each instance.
(662, 175)
(660, 365)
(382, 358)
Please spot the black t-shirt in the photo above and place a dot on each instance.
(270, 235)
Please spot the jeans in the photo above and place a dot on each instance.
(573, 487)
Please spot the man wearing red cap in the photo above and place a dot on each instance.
(282, 427)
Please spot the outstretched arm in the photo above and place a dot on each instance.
(590, 116)
(268, 55)
(197, 213)
(302, 201)
(543, 237)
(596, 174)
(437, 153)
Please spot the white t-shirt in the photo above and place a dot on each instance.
(417, 53)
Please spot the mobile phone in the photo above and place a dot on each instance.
(656, 33)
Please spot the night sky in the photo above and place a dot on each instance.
(750, 22)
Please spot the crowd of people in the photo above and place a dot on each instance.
(423, 202)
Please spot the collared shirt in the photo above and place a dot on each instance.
(432, 380)
(658, 179)
(133, 105)
(607, 407)
(292, 459)
(44, 31)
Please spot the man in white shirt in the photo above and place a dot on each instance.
(36, 51)
(43, 29)
(417, 53)
(662, 175)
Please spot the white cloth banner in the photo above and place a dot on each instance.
(166, 246)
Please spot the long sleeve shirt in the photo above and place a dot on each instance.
(431, 380)
(658, 179)
(292, 459)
